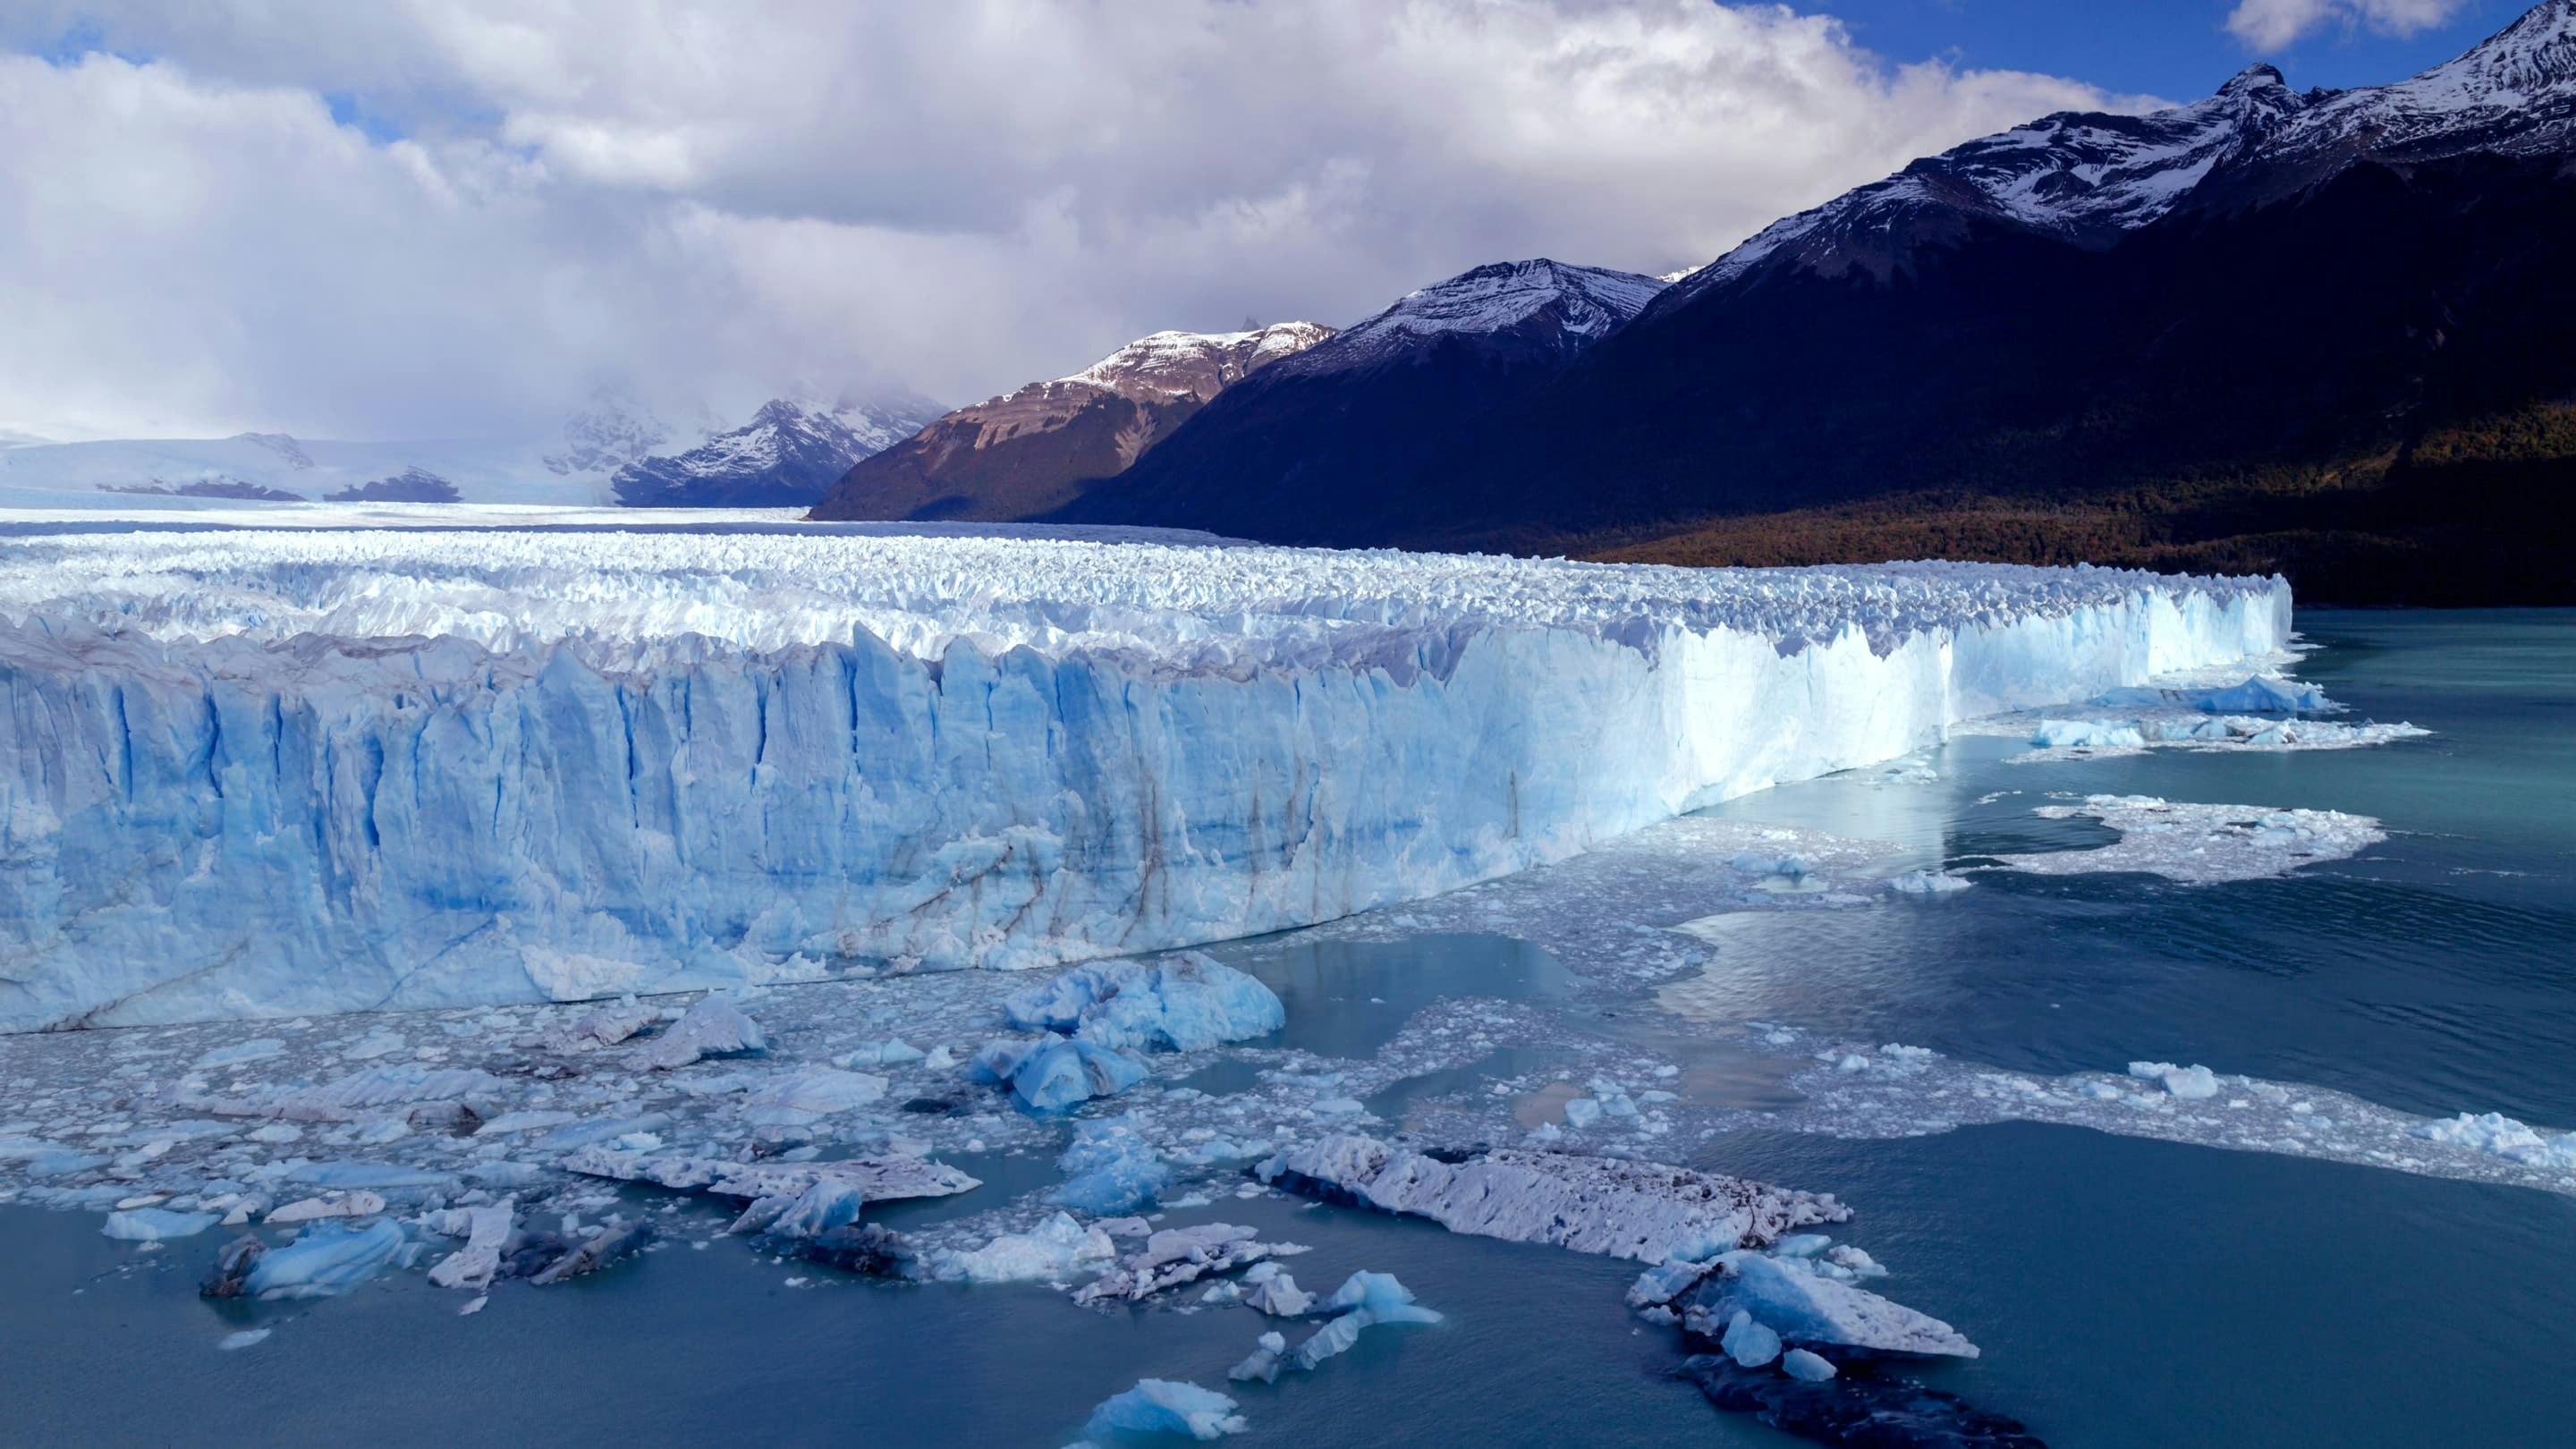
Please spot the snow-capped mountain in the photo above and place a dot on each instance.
(1537, 308)
(615, 429)
(2091, 178)
(1321, 434)
(788, 455)
(2317, 331)
(1027, 452)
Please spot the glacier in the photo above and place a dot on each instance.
(265, 772)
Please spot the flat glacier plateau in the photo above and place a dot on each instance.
(262, 772)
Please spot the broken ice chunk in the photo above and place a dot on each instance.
(1110, 1169)
(1278, 1296)
(487, 1232)
(1263, 1362)
(1175, 1256)
(338, 1205)
(1188, 1002)
(1160, 1406)
(1803, 1308)
(714, 1027)
(879, 1054)
(1065, 1074)
(1748, 1342)
(1054, 1250)
(1806, 1367)
(2192, 1083)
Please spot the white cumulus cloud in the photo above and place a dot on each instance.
(2270, 25)
(448, 219)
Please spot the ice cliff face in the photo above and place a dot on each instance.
(278, 772)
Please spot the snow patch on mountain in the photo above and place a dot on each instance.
(1169, 365)
(1559, 306)
(790, 453)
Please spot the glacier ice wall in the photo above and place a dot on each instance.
(248, 773)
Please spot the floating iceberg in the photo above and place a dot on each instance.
(2203, 844)
(2256, 694)
(1109, 1169)
(1641, 1210)
(1052, 1075)
(1160, 1406)
(1799, 1307)
(1053, 1251)
(330, 1257)
(152, 1224)
(1174, 1256)
(275, 771)
(1187, 1004)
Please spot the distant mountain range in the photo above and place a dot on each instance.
(1032, 451)
(614, 450)
(2326, 332)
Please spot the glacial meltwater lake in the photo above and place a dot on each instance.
(2126, 1291)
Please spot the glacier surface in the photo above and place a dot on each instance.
(270, 772)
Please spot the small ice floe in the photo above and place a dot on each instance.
(1162, 1407)
(714, 1027)
(1275, 1293)
(1053, 1251)
(332, 1205)
(244, 1339)
(1175, 1256)
(2192, 1084)
(1188, 1002)
(1364, 1301)
(608, 1026)
(879, 1054)
(1110, 1169)
(1748, 1341)
(255, 1050)
(1641, 1210)
(487, 1235)
(2504, 1136)
(1927, 883)
(2203, 844)
(1806, 1367)
(804, 1098)
(153, 1225)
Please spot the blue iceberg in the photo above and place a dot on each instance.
(1185, 1004)
(1110, 1169)
(1160, 1406)
(331, 1257)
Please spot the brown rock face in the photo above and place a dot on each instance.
(1031, 451)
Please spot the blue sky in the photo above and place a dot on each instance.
(2178, 49)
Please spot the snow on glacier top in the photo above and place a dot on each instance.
(630, 597)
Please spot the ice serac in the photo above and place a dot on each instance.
(269, 772)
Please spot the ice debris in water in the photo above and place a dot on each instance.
(2203, 844)
(1927, 883)
(2192, 1083)
(1050, 1075)
(1160, 1406)
(1174, 1256)
(1109, 1169)
(2505, 1137)
(1187, 1003)
(1642, 1210)
(879, 1054)
(246, 1338)
(877, 1179)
